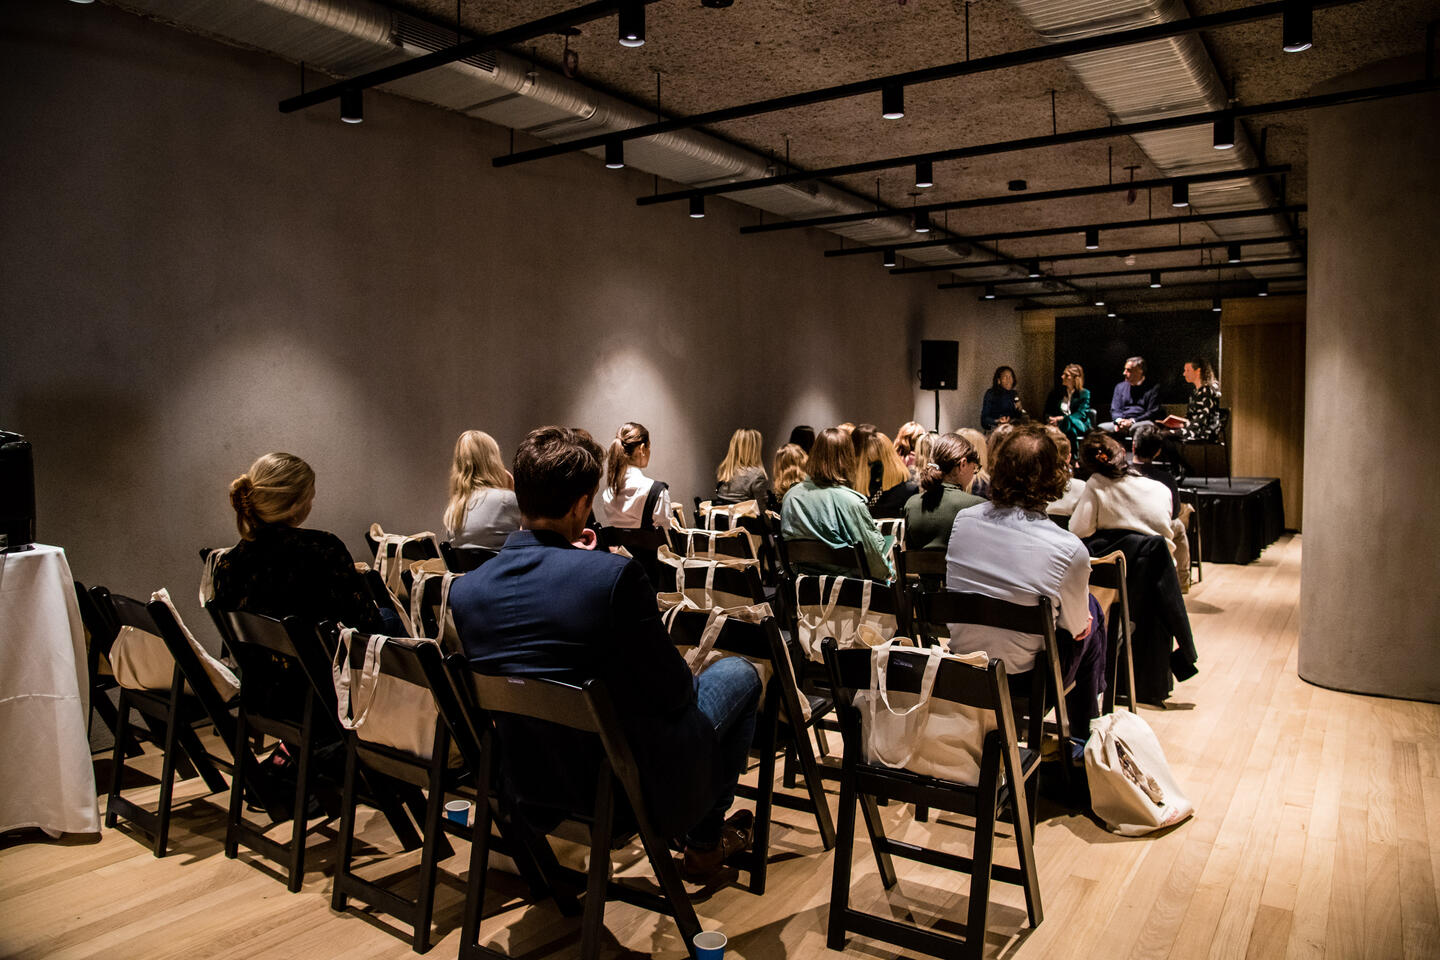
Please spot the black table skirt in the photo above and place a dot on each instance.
(1239, 520)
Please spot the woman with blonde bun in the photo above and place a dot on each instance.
(281, 569)
(482, 510)
(930, 514)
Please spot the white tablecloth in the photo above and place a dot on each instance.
(46, 776)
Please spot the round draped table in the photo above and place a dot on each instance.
(48, 778)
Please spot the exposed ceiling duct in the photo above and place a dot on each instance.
(1160, 79)
(350, 37)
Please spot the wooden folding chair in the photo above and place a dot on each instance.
(1003, 766)
(1107, 586)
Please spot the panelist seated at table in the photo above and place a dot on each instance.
(551, 606)
(281, 569)
(1135, 400)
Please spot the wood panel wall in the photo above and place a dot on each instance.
(1262, 381)
(1036, 369)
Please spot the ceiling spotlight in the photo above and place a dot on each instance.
(1215, 305)
(1017, 185)
(1032, 269)
(84, 1)
(352, 106)
(1099, 299)
(1180, 194)
(888, 257)
(924, 174)
(1264, 290)
(614, 154)
(922, 221)
(1225, 131)
(1295, 27)
(1232, 253)
(697, 208)
(892, 101)
(1110, 314)
(989, 291)
(1154, 279)
(1092, 238)
(716, 4)
(632, 25)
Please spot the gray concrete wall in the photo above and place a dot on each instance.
(192, 279)
(1370, 618)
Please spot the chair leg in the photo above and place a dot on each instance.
(765, 782)
(434, 833)
(237, 788)
(346, 845)
(815, 787)
(598, 879)
(479, 868)
(844, 858)
(167, 773)
(300, 820)
(981, 859)
(876, 828)
(117, 758)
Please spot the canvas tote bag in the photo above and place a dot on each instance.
(850, 626)
(1131, 786)
(141, 661)
(382, 709)
(390, 564)
(446, 634)
(706, 596)
(916, 732)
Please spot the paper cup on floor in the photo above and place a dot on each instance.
(458, 811)
(710, 945)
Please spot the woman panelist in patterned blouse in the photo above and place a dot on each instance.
(1203, 409)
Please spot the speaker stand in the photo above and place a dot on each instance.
(937, 411)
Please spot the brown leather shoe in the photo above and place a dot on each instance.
(702, 865)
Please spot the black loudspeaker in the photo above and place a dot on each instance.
(17, 491)
(939, 364)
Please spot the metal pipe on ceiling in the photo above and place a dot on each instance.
(1096, 254)
(1244, 283)
(1137, 272)
(1162, 31)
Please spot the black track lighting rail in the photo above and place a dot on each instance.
(460, 51)
(1120, 297)
(963, 68)
(1080, 228)
(1364, 94)
(1094, 255)
(1012, 198)
(1137, 272)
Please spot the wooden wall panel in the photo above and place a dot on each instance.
(1036, 368)
(1262, 381)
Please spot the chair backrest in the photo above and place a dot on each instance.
(284, 663)
(925, 563)
(797, 555)
(850, 619)
(632, 538)
(432, 603)
(711, 583)
(465, 559)
(722, 543)
(400, 659)
(97, 620)
(155, 617)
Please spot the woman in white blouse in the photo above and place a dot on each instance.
(1116, 499)
(622, 502)
(482, 510)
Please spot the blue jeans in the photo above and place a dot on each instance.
(728, 693)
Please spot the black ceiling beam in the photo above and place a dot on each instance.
(1124, 295)
(1081, 228)
(1013, 198)
(1135, 272)
(1093, 254)
(460, 51)
(1016, 58)
(1237, 111)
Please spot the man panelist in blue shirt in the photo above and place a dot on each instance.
(1134, 401)
(550, 605)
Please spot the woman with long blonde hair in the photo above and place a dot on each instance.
(482, 510)
(622, 501)
(791, 466)
(826, 508)
(895, 485)
(741, 475)
(979, 483)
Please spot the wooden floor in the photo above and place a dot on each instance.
(1317, 835)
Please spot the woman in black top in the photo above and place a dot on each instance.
(1203, 408)
(1002, 401)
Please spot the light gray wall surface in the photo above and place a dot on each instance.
(192, 279)
(1369, 613)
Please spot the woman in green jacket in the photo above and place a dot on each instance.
(1069, 405)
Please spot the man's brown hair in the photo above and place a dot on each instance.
(831, 459)
(554, 467)
(1027, 469)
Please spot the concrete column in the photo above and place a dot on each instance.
(1370, 582)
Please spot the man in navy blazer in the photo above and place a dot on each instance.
(551, 606)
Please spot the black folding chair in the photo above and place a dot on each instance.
(465, 559)
(587, 709)
(171, 715)
(101, 635)
(725, 584)
(816, 555)
(1003, 766)
(1107, 584)
(288, 693)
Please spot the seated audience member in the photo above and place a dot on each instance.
(867, 471)
(630, 499)
(895, 485)
(980, 483)
(544, 608)
(741, 475)
(920, 457)
(791, 463)
(1134, 401)
(803, 437)
(1001, 403)
(906, 440)
(1117, 499)
(281, 569)
(1068, 406)
(825, 508)
(930, 514)
(1065, 505)
(1202, 409)
(1009, 549)
(482, 511)
(1149, 443)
